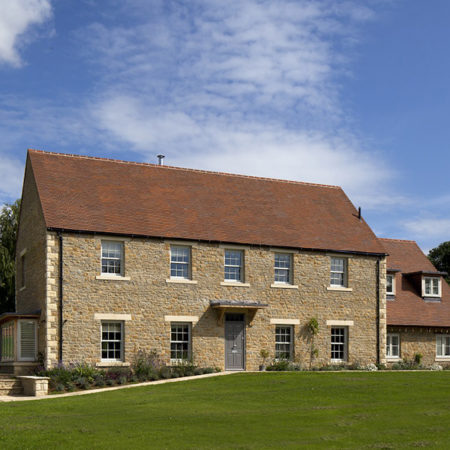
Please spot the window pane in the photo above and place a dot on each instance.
(112, 257)
(233, 265)
(389, 283)
(283, 264)
(180, 341)
(338, 344)
(180, 262)
(427, 286)
(283, 342)
(112, 344)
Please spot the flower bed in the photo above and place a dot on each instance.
(147, 366)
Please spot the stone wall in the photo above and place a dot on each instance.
(31, 242)
(147, 297)
(419, 340)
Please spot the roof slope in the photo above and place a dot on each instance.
(101, 195)
(409, 308)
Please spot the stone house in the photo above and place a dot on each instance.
(114, 257)
(418, 306)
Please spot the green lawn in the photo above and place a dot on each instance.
(269, 410)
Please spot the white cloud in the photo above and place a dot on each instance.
(11, 176)
(16, 17)
(430, 227)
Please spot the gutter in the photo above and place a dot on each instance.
(148, 236)
(60, 295)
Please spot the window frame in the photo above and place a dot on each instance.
(290, 343)
(122, 341)
(343, 344)
(19, 340)
(187, 264)
(189, 342)
(392, 292)
(288, 269)
(442, 345)
(344, 272)
(390, 346)
(424, 286)
(241, 266)
(121, 259)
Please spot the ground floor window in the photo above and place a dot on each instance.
(112, 341)
(393, 346)
(443, 346)
(8, 341)
(27, 340)
(339, 344)
(180, 342)
(283, 342)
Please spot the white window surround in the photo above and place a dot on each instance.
(108, 258)
(181, 281)
(339, 270)
(442, 348)
(234, 265)
(112, 316)
(431, 294)
(180, 262)
(284, 286)
(281, 270)
(339, 344)
(339, 288)
(190, 319)
(340, 323)
(106, 276)
(234, 284)
(234, 247)
(392, 292)
(391, 348)
(285, 321)
(182, 342)
(110, 361)
(284, 347)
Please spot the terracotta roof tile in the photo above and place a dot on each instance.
(109, 196)
(409, 308)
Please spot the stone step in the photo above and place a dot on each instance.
(10, 386)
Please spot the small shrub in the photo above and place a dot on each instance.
(210, 370)
(418, 358)
(283, 365)
(165, 372)
(99, 381)
(198, 371)
(70, 387)
(111, 382)
(60, 387)
(122, 380)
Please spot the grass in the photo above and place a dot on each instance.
(244, 411)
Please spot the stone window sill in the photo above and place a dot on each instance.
(112, 364)
(339, 289)
(112, 278)
(393, 359)
(283, 286)
(234, 284)
(181, 281)
(443, 359)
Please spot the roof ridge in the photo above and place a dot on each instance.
(120, 161)
(397, 240)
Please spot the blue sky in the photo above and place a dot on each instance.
(336, 92)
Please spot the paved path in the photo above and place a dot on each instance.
(21, 398)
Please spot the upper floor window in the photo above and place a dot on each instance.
(338, 276)
(180, 262)
(112, 258)
(443, 346)
(283, 268)
(431, 287)
(234, 260)
(390, 284)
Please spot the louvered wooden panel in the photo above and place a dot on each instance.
(27, 340)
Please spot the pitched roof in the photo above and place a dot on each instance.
(409, 308)
(109, 196)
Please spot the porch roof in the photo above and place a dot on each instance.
(17, 315)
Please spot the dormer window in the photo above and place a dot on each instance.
(390, 284)
(431, 287)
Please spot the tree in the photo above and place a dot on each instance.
(440, 257)
(9, 220)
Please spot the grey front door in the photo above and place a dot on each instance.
(234, 341)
